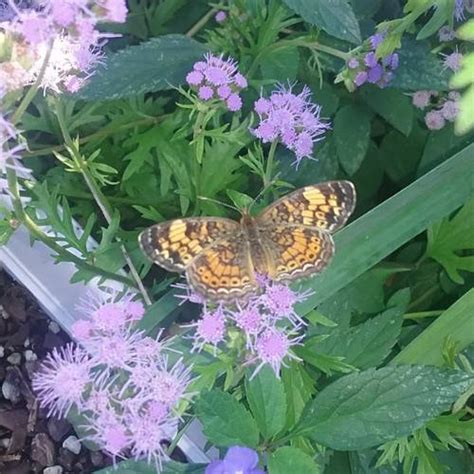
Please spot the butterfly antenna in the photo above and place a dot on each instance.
(215, 201)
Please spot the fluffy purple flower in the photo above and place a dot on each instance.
(216, 78)
(220, 16)
(434, 120)
(210, 329)
(452, 61)
(370, 59)
(353, 63)
(446, 34)
(375, 74)
(238, 460)
(391, 61)
(450, 110)
(459, 10)
(376, 39)
(421, 99)
(291, 118)
(360, 78)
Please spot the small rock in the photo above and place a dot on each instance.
(71, 443)
(53, 326)
(42, 450)
(4, 443)
(30, 355)
(58, 429)
(14, 358)
(66, 458)
(2, 351)
(11, 387)
(97, 458)
(27, 342)
(53, 470)
(3, 312)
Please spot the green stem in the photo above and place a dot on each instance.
(422, 314)
(178, 436)
(201, 22)
(30, 95)
(99, 198)
(267, 178)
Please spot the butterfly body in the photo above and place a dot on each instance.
(289, 239)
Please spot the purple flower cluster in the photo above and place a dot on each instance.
(238, 460)
(69, 29)
(367, 68)
(218, 78)
(121, 380)
(441, 109)
(452, 61)
(268, 323)
(292, 119)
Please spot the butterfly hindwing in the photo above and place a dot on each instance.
(174, 244)
(326, 206)
(297, 251)
(224, 271)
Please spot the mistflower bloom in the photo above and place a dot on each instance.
(450, 110)
(220, 16)
(238, 460)
(188, 295)
(292, 119)
(273, 347)
(445, 34)
(210, 329)
(62, 379)
(421, 99)
(452, 61)
(251, 321)
(219, 79)
(434, 120)
(353, 63)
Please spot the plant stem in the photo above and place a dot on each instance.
(100, 199)
(423, 314)
(30, 95)
(178, 436)
(267, 178)
(201, 22)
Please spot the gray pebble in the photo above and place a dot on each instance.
(53, 470)
(14, 358)
(71, 443)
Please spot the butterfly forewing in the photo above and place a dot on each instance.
(174, 244)
(326, 206)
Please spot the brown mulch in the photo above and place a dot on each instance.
(29, 441)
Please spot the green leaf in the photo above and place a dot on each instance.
(392, 105)
(368, 344)
(157, 64)
(335, 17)
(442, 13)
(288, 459)
(142, 467)
(456, 323)
(280, 65)
(448, 238)
(365, 409)
(419, 68)
(240, 200)
(352, 136)
(226, 422)
(388, 226)
(267, 402)
(299, 387)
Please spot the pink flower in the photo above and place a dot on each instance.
(210, 329)
(421, 99)
(453, 61)
(218, 78)
(64, 12)
(189, 294)
(434, 120)
(272, 347)
(115, 10)
(291, 118)
(82, 330)
(62, 379)
(450, 110)
(220, 16)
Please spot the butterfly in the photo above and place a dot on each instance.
(288, 240)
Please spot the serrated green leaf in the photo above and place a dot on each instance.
(449, 237)
(365, 345)
(157, 64)
(226, 422)
(392, 105)
(267, 402)
(419, 69)
(335, 18)
(365, 409)
(352, 136)
(289, 459)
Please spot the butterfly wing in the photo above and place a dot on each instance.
(296, 251)
(175, 244)
(326, 206)
(224, 271)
